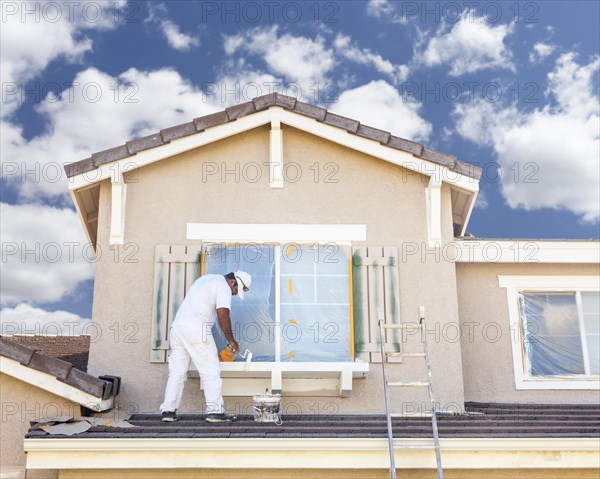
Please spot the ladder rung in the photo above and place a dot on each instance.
(413, 446)
(405, 355)
(402, 326)
(411, 414)
(408, 385)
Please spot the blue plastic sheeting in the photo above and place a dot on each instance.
(555, 344)
(314, 305)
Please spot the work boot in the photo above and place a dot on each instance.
(220, 417)
(169, 416)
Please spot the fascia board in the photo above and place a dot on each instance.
(525, 251)
(299, 453)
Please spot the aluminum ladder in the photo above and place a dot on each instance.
(428, 384)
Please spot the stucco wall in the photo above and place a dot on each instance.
(486, 338)
(163, 196)
(22, 403)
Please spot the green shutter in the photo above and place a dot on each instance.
(176, 268)
(375, 292)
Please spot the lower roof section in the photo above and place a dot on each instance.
(488, 436)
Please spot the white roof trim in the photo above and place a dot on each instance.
(49, 383)
(296, 120)
(300, 453)
(522, 251)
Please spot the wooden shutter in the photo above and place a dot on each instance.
(375, 288)
(176, 268)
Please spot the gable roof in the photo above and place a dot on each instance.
(275, 109)
(56, 376)
(261, 103)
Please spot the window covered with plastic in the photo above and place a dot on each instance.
(561, 333)
(298, 307)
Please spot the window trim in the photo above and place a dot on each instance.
(517, 284)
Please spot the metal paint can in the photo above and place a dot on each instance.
(267, 407)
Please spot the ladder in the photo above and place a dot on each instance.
(428, 384)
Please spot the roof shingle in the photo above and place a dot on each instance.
(261, 103)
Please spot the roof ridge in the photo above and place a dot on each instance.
(261, 103)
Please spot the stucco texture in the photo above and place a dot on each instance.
(350, 188)
(486, 336)
(23, 403)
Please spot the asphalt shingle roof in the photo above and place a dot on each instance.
(485, 420)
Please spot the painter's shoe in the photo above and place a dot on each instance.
(169, 416)
(221, 417)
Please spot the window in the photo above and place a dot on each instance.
(299, 307)
(558, 324)
(560, 333)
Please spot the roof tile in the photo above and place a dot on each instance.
(112, 154)
(85, 382)
(342, 122)
(373, 134)
(438, 157)
(16, 351)
(178, 131)
(261, 103)
(73, 349)
(274, 99)
(242, 109)
(78, 167)
(53, 366)
(214, 119)
(405, 145)
(467, 169)
(144, 143)
(312, 111)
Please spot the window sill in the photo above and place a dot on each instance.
(297, 379)
(560, 382)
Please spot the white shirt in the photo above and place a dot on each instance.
(200, 304)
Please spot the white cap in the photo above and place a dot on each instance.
(244, 280)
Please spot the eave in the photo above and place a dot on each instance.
(302, 453)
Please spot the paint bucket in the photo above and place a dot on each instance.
(267, 407)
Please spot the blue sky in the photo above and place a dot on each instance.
(510, 86)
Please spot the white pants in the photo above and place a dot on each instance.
(192, 345)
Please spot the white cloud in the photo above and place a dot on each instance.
(549, 156)
(364, 56)
(93, 116)
(380, 8)
(26, 319)
(28, 43)
(540, 51)
(175, 38)
(469, 46)
(379, 104)
(299, 59)
(481, 202)
(45, 254)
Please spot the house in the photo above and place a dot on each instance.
(340, 225)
